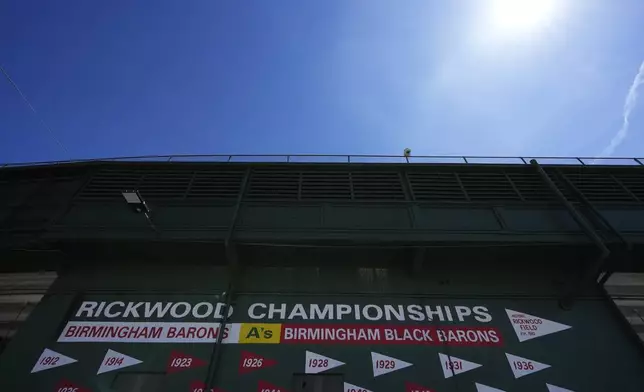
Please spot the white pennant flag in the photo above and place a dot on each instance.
(316, 363)
(485, 388)
(50, 359)
(453, 366)
(554, 388)
(524, 366)
(114, 360)
(529, 327)
(352, 388)
(383, 364)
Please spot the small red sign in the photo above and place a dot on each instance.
(68, 386)
(179, 361)
(265, 386)
(412, 387)
(251, 361)
(199, 386)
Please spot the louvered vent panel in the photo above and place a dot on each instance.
(215, 184)
(530, 186)
(271, 184)
(326, 185)
(599, 187)
(488, 186)
(634, 182)
(108, 184)
(296, 183)
(436, 186)
(165, 185)
(369, 185)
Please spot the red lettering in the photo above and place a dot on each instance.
(112, 331)
(49, 361)
(156, 332)
(96, 331)
(70, 331)
(133, 332)
(143, 333)
(122, 332)
(83, 331)
(314, 362)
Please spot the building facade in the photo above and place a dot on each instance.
(322, 277)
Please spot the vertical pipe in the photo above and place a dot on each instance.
(579, 219)
(406, 185)
(585, 227)
(409, 196)
(216, 353)
(602, 219)
(590, 206)
(460, 184)
(231, 257)
(233, 220)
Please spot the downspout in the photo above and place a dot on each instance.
(585, 226)
(601, 218)
(233, 264)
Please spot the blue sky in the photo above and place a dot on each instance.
(116, 78)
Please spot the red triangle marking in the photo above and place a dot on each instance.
(179, 361)
(412, 387)
(199, 386)
(249, 362)
(68, 386)
(265, 386)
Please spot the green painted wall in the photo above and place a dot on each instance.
(594, 355)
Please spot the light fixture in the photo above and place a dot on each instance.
(134, 200)
(407, 154)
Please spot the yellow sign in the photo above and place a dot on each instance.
(260, 333)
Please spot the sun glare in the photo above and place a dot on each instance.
(521, 16)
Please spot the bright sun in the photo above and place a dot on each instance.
(521, 16)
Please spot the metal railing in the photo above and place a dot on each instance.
(330, 158)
